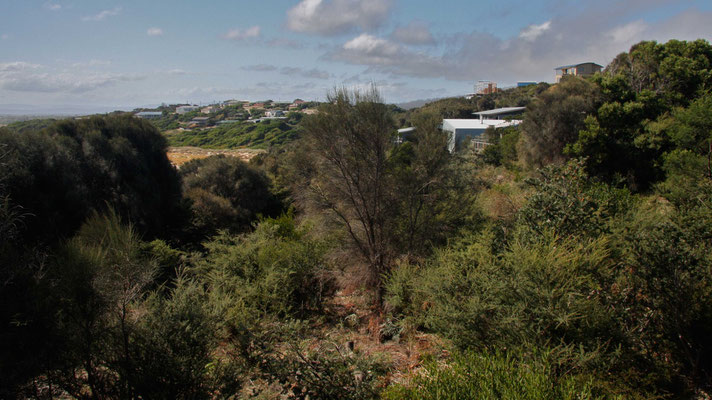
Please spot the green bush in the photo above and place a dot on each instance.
(567, 202)
(531, 375)
(226, 193)
(275, 271)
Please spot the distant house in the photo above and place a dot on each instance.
(210, 109)
(486, 87)
(149, 114)
(254, 106)
(274, 113)
(200, 121)
(583, 69)
(186, 109)
(460, 129)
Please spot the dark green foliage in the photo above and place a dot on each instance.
(389, 199)
(567, 202)
(626, 136)
(61, 174)
(667, 291)
(226, 193)
(110, 337)
(243, 134)
(526, 374)
(503, 147)
(173, 344)
(553, 120)
(326, 372)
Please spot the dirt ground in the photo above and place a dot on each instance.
(181, 155)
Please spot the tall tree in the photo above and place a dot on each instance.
(350, 143)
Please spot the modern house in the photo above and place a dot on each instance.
(500, 113)
(583, 69)
(404, 134)
(460, 129)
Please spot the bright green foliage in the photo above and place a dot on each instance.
(226, 193)
(274, 271)
(544, 293)
(242, 134)
(33, 125)
(529, 374)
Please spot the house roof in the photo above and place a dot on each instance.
(576, 65)
(478, 124)
(500, 111)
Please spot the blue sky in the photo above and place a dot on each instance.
(89, 54)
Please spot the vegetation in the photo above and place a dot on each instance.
(239, 134)
(572, 258)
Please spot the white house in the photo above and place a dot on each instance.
(459, 129)
(186, 109)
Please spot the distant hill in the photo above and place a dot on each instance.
(417, 103)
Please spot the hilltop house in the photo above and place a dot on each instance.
(460, 129)
(583, 69)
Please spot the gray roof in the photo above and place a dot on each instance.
(500, 111)
(576, 65)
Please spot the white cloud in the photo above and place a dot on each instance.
(26, 77)
(242, 34)
(92, 63)
(590, 35)
(415, 33)
(52, 6)
(176, 71)
(260, 68)
(4, 36)
(154, 32)
(532, 32)
(305, 73)
(17, 66)
(332, 17)
(103, 15)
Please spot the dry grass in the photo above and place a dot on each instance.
(181, 155)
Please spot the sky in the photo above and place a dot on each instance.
(86, 55)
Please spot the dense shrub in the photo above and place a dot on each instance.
(61, 174)
(226, 193)
(531, 374)
(275, 271)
